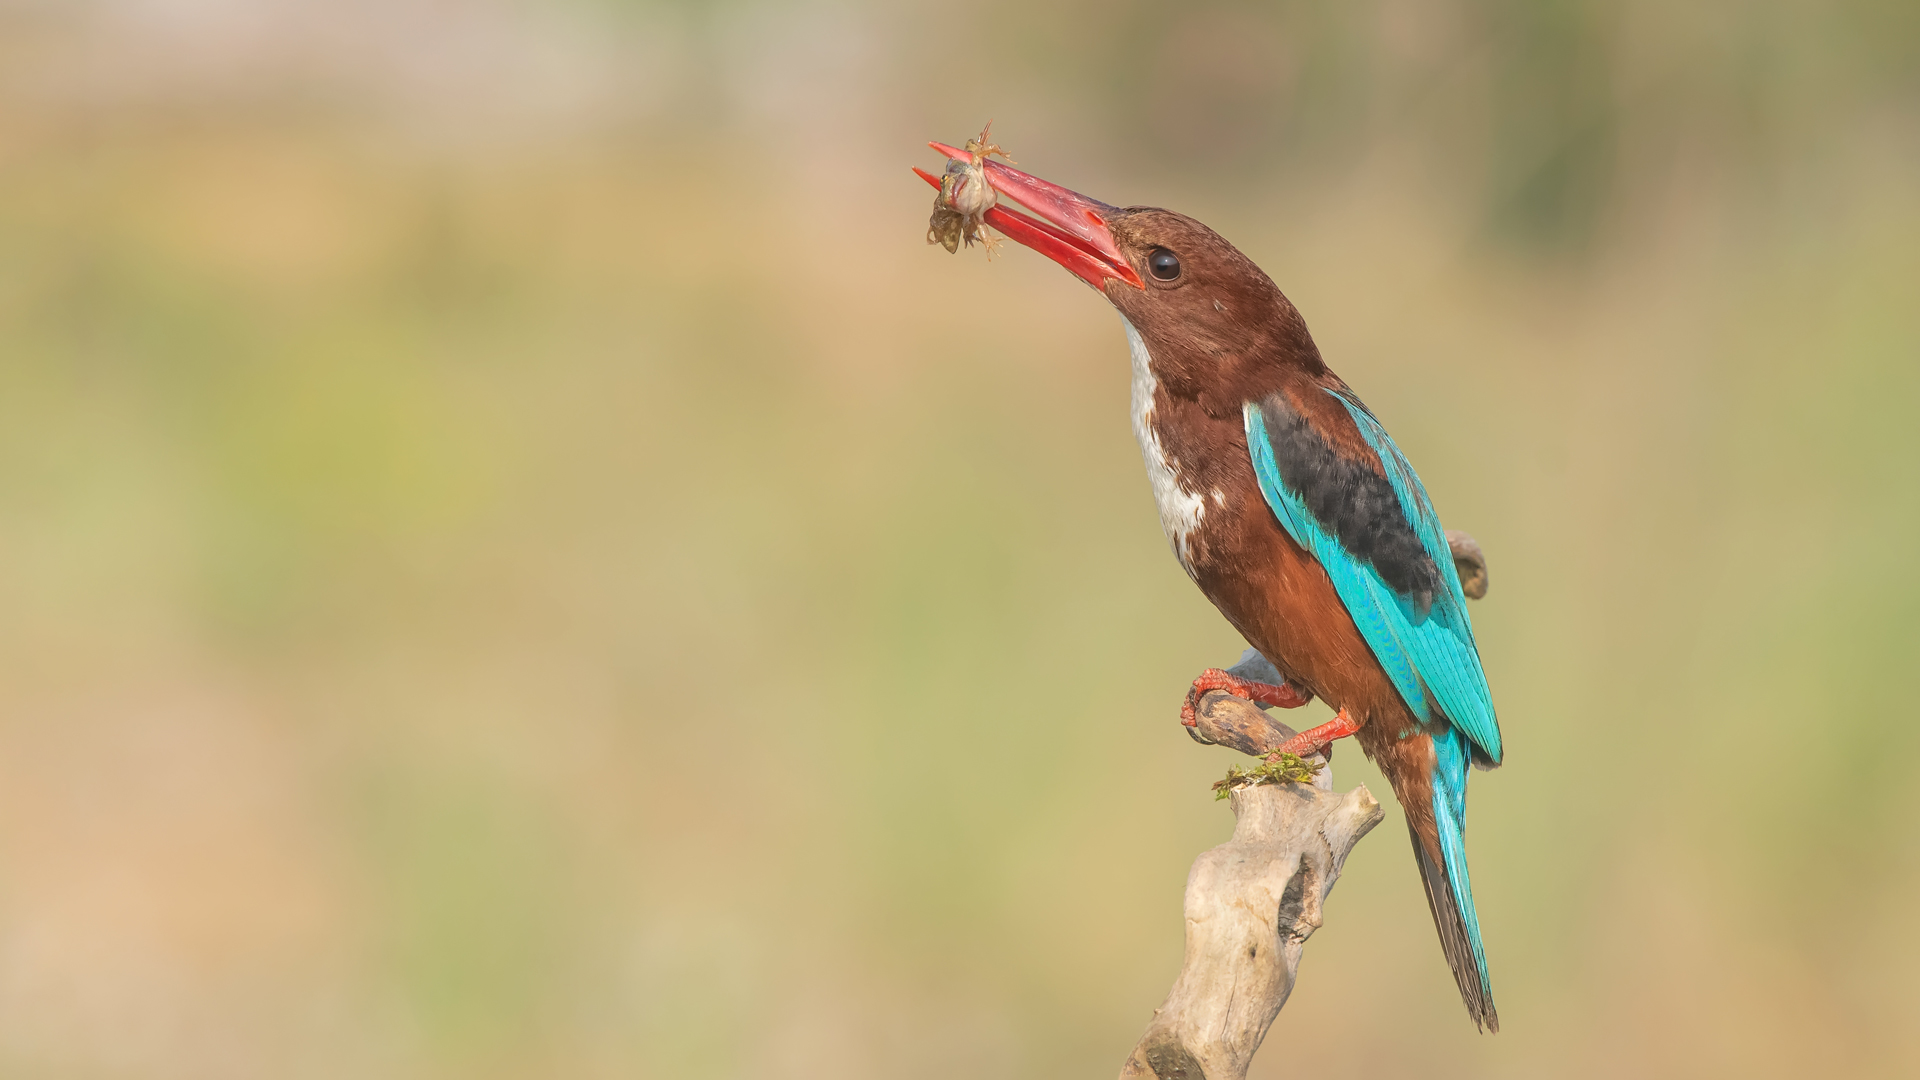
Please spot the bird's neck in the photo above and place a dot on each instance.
(1191, 431)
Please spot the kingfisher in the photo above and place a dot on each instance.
(1288, 504)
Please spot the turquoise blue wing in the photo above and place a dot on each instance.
(1421, 635)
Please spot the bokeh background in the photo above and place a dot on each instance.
(516, 560)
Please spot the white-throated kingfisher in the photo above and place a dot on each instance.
(1287, 503)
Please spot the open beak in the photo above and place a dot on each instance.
(1065, 226)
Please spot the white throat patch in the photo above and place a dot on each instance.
(1180, 509)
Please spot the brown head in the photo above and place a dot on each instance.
(1215, 323)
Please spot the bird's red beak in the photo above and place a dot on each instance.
(1066, 226)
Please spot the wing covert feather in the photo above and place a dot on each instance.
(1419, 632)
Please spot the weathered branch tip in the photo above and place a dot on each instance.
(1251, 904)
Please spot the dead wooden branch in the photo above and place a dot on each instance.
(1251, 903)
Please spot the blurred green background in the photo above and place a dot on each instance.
(516, 559)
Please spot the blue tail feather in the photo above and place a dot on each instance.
(1451, 896)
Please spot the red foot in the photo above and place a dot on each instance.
(1281, 696)
(1311, 741)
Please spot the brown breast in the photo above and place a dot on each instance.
(1268, 587)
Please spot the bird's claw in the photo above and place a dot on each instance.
(1319, 740)
(1279, 695)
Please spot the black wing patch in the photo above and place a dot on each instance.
(1352, 502)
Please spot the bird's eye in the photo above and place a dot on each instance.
(1163, 264)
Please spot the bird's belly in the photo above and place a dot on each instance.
(1281, 600)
